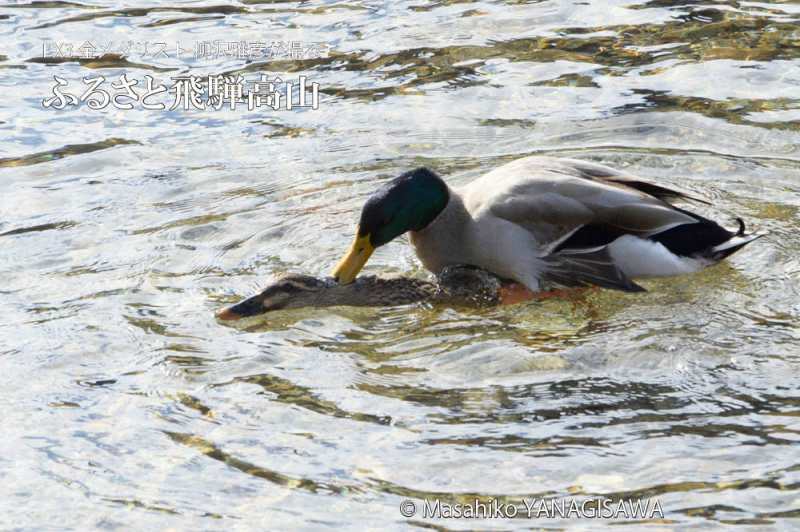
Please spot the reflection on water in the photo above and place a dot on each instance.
(127, 404)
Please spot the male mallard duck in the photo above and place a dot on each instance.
(460, 285)
(541, 220)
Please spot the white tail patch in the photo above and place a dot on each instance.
(638, 257)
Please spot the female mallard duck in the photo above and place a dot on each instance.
(459, 285)
(541, 220)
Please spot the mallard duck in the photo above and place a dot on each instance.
(456, 285)
(542, 221)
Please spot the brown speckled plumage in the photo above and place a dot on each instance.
(457, 285)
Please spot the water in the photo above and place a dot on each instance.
(125, 404)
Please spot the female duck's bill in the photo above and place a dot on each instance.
(245, 309)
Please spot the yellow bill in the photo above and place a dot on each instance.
(358, 255)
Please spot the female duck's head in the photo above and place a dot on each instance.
(407, 203)
(292, 291)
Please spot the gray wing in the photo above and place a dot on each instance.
(587, 267)
(554, 198)
(599, 172)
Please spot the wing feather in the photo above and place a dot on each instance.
(596, 171)
(587, 267)
(552, 198)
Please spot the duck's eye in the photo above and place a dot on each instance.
(296, 287)
(290, 289)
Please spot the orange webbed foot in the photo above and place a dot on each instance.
(513, 293)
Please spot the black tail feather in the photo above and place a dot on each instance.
(691, 239)
(705, 239)
(733, 245)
